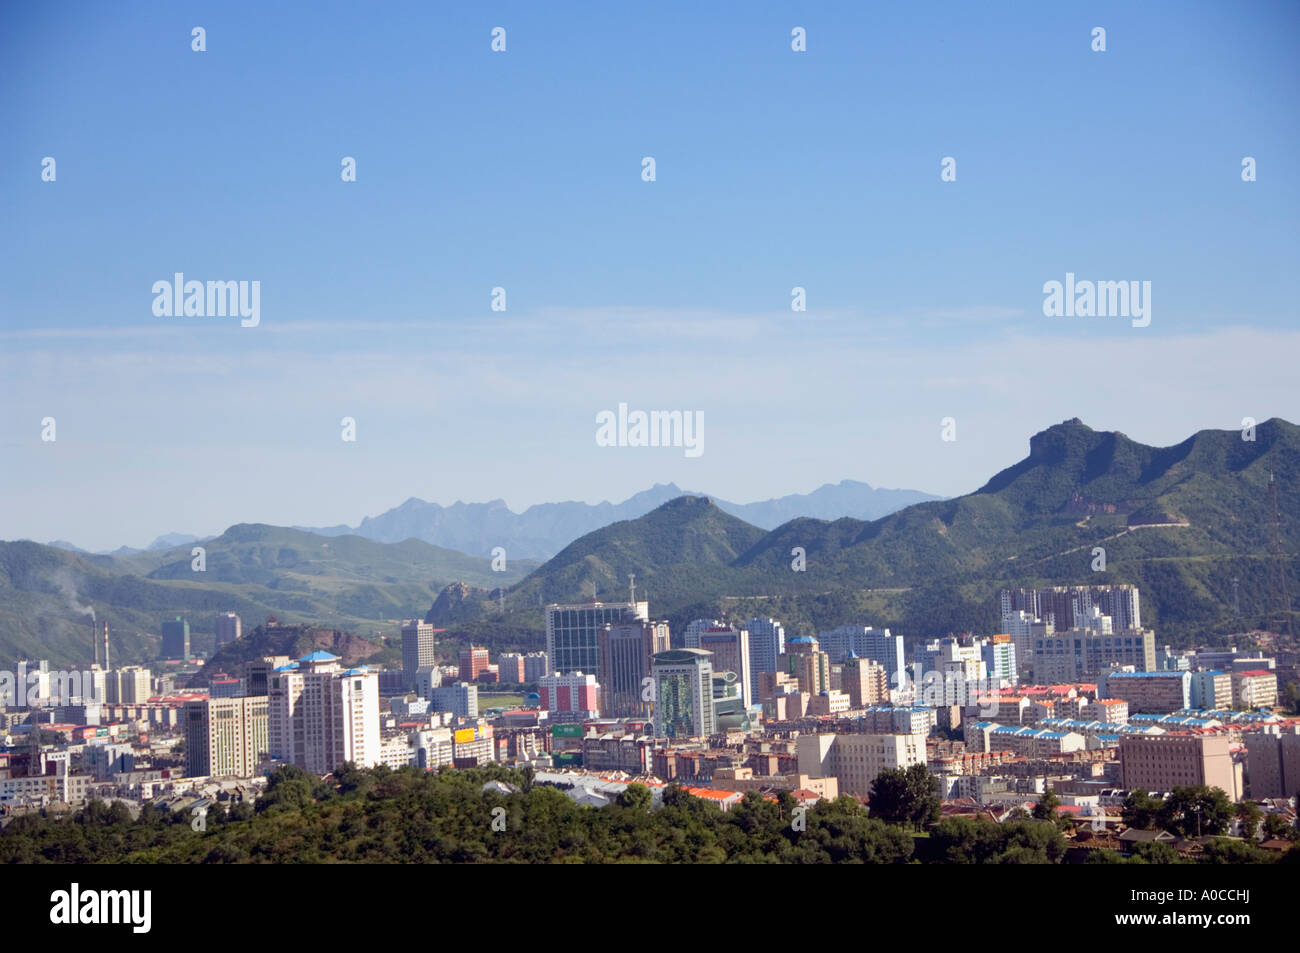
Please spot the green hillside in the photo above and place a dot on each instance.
(1181, 522)
(342, 582)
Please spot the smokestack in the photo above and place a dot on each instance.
(106, 665)
(94, 639)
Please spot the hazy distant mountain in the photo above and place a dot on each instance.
(64, 544)
(170, 540)
(831, 501)
(167, 541)
(541, 531)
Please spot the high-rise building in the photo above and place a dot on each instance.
(1078, 654)
(730, 648)
(573, 632)
(766, 643)
(864, 681)
(691, 637)
(226, 737)
(176, 639)
(1025, 629)
(129, 685)
(683, 680)
(472, 662)
(805, 660)
(955, 674)
(257, 674)
(321, 716)
(999, 654)
(625, 653)
(417, 648)
(228, 628)
(1066, 607)
(866, 641)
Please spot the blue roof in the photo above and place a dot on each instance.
(1146, 674)
(319, 656)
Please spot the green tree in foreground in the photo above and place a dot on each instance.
(1196, 811)
(906, 796)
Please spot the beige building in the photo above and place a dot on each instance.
(129, 685)
(1164, 762)
(865, 682)
(855, 760)
(828, 703)
(225, 737)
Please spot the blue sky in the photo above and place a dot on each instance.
(522, 169)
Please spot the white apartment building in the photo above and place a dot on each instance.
(321, 716)
(856, 760)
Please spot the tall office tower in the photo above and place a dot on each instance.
(683, 680)
(573, 632)
(766, 643)
(417, 648)
(229, 628)
(865, 682)
(807, 662)
(226, 737)
(730, 648)
(321, 716)
(575, 693)
(867, 642)
(625, 651)
(472, 662)
(176, 639)
(129, 685)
